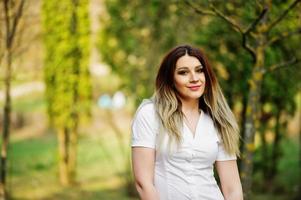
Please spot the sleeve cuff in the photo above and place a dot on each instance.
(143, 144)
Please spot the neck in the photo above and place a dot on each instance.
(190, 106)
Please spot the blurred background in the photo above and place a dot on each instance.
(72, 74)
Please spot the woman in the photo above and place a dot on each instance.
(186, 128)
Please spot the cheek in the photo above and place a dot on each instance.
(179, 84)
(203, 80)
(203, 77)
(178, 81)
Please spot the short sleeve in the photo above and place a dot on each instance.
(222, 155)
(144, 126)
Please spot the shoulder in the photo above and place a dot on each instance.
(144, 125)
(146, 108)
(146, 112)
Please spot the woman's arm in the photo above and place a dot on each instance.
(143, 167)
(229, 178)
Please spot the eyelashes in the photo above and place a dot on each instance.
(200, 70)
(184, 72)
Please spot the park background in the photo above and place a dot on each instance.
(73, 72)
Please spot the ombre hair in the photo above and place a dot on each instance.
(169, 107)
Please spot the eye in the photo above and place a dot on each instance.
(200, 70)
(182, 72)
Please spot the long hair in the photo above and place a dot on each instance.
(169, 108)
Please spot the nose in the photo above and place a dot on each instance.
(194, 77)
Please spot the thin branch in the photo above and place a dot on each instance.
(7, 21)
(249, 29)
(283, 36)
(256, 21)
(248, 47)
(17, 19)
(283, 64)
(234, 25)
(227, 19)
(259, 4)
(198, 10)
(283, 15)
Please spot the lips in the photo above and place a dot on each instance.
(194, 87)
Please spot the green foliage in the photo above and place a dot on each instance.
(287, 178)
(66, 39)
(134, 37)
(279, 89)
(280, 86)
(227, 52)
(289, 169)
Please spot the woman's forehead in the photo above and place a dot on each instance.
(188, 62)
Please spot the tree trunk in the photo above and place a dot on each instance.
(9, 35)
(276, 148)
(63, 140)
(6, 123)
(73, 152)
(264, 153)
(251, 120)
(73, 134)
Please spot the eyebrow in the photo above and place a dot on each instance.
(179, 68)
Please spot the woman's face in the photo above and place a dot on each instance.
(189, 78)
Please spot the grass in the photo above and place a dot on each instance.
(34, 175)
(27, 104)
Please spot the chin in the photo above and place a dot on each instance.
(188, 95)
(195, 96)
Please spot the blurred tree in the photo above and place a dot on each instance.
(279, 89)
(68, 88)
(11, 15)
(277, 104)
(260, 34)
(134, 37)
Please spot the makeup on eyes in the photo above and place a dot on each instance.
(185, 70)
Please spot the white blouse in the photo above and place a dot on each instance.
(186, 174)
